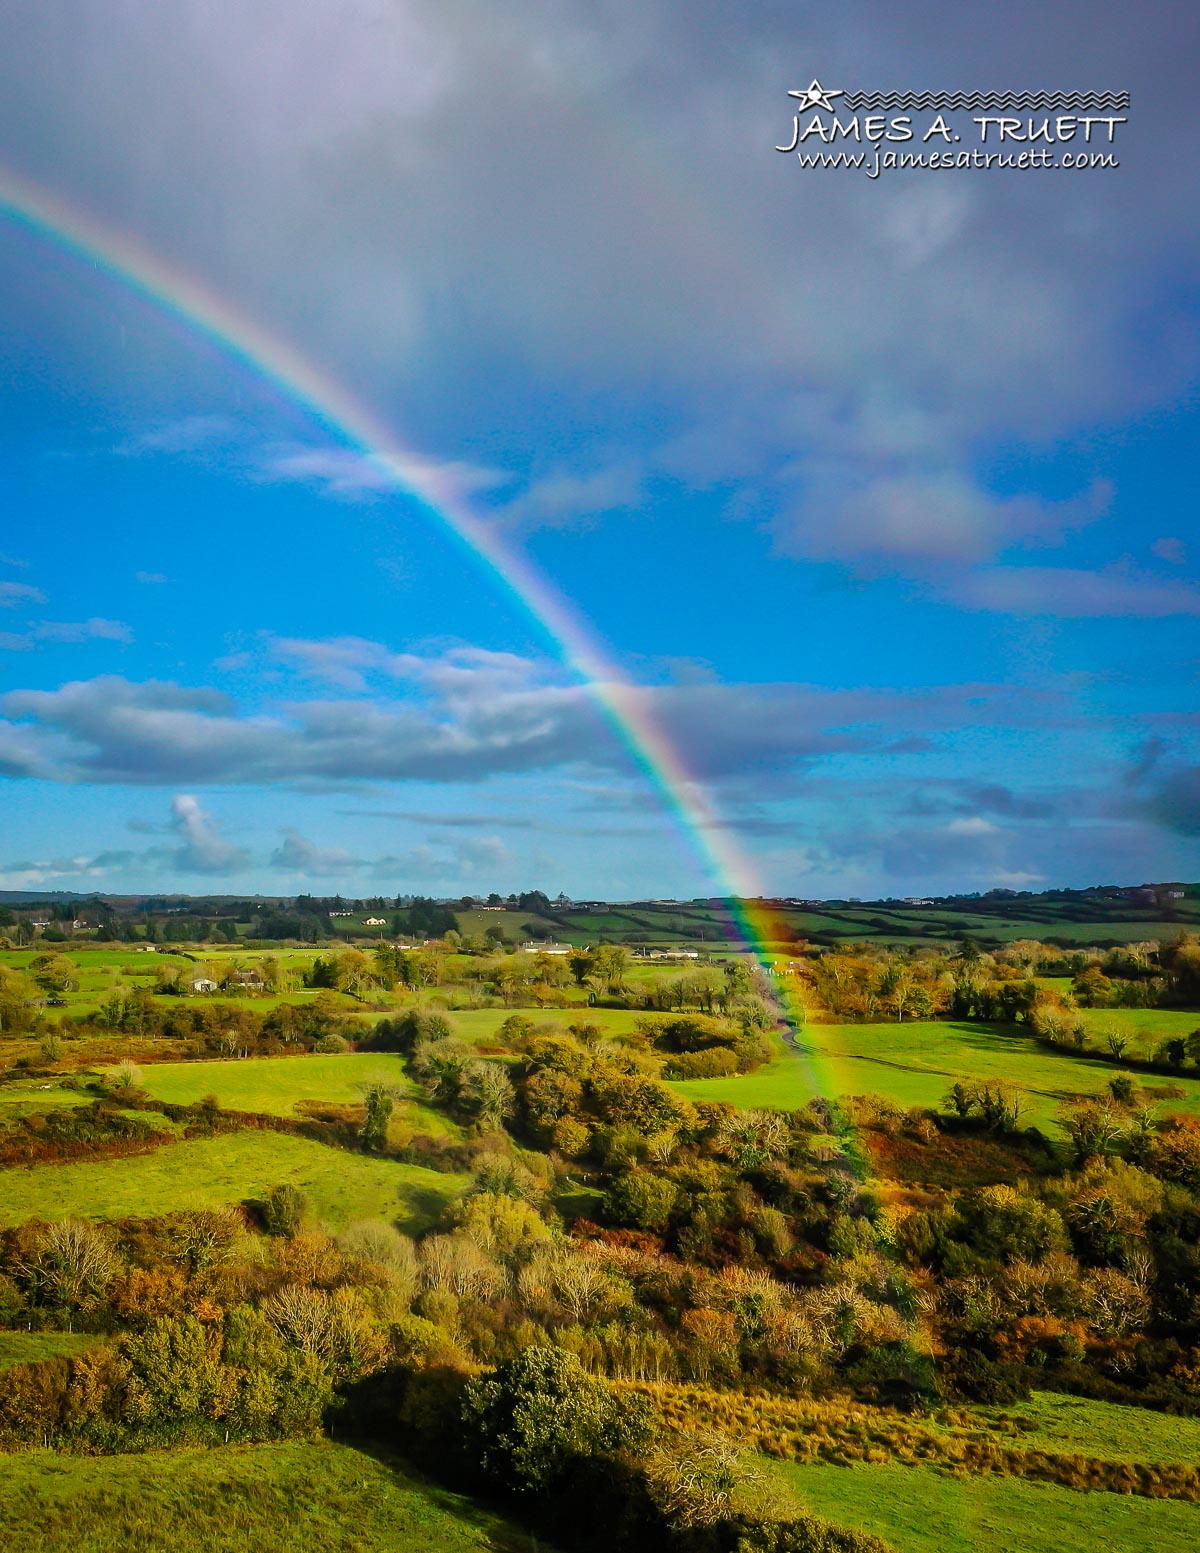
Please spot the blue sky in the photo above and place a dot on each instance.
(884, 491)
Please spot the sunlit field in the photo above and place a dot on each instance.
(303, 1497)
(914, 1062)
(205, 1172)
(276, 1085)
(920, 1510)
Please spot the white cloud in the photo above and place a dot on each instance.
(188, 434)
(298, 855)
(203, 849)
(574, 499)
(971, 825)
(14, 593)
(345, 472)
(1071, 593)
(465, 715)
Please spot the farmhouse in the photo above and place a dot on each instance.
(534, 948)
(377, 922)
(202, 984)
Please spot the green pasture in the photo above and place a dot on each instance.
(231, 1168)
(32, 1097)
(89, 960)
(1104, 1430)
(1145, 1026)
(479, 1026)
(32, 1347)
(279, 1086)
(516, 926)
(302, 1497)
(275, 1085)
(921, 1510)
(914, 1062)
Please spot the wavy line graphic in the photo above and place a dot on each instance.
(950, 101)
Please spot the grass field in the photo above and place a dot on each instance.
(920, 1510)
(479, 1025)
(231, 1168)
(275, 1084)
(29, 1097)
(1104, 1430)
(310, 1497)
(913, 1063)
(1146, 1027)
(279, 1086)
(31, 1347)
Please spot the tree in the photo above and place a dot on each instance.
(487, 1090)
(535, 1416)
(54, 973)
(692, 1479)
(284, 1210)
(641, 1199)
(609, 962)
(1092, 1128)
(1173, 1051)
(379, 1100)
(72, 1263)
(580, 962)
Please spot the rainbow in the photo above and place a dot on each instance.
(626, 706)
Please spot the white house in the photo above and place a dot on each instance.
(377, 922)
(203, 984)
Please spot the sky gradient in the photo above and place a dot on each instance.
(882, 493)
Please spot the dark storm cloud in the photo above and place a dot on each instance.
(1174, 802)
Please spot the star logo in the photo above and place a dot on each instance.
(816, 96)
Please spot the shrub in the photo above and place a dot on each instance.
(530, 1421)
(284, 1210)
(641, 1200)
(692, 1478)
(123, 1078)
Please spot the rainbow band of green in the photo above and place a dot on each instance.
(626, 707)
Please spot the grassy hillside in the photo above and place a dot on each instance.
(914, 1062)
(1104, 1430)
(203, 1172)
(310, 1497)
(920, 1510)
(32, 1347)
(275, 1085)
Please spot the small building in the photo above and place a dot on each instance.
(203, 984)
(146, 949)
(533, 948)
(377, 922)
